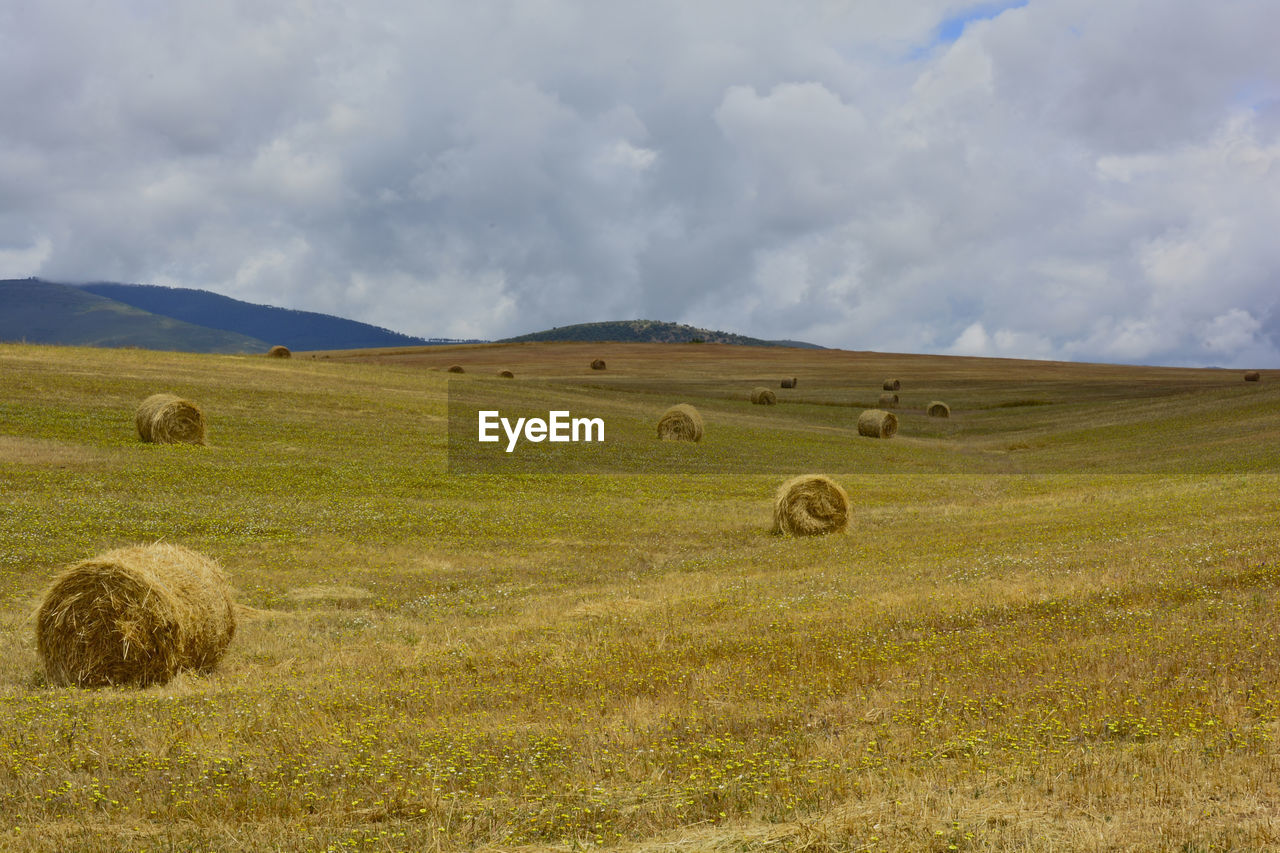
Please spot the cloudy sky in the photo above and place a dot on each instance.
(1078, 179)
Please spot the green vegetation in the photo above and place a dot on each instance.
(1047, 625)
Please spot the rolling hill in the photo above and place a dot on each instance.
(649, 331)
(43, 312)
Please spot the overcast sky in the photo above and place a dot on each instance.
(1080, 179)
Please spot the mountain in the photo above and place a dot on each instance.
(650, 331)
(42, 312)
(297, 330)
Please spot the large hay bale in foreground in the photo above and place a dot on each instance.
(875, 423)
(135, 616)
(763, 397)
(1252, 376)
(456, 368)
(892, 385)
(598, 364)
(169, 419)
(680, 423)
(506, 374)
(888, 401)
(279, 352)
(810, 505)
(939, 409)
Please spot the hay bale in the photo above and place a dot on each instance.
(810, 505)
(875, 423)
(169, 419)
(680, 423)
(888, 401)
(135, 616)
(598, 364)
(939, 409)
(1252, 376)
(892, 385)
(279, 352)
(763, 397)
(506, 374)
(456, 368)
(788, 383)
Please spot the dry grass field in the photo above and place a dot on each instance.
(1052, 622)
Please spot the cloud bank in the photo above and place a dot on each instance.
(1070, 179)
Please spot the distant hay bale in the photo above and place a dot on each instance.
(892, 385)
(134, 616)
(939, 409)
(506, 374)
(875, 423)
(680, 423)
(788, 383)
(810, 505)
(888, 401)
(598, 364)
(169, 419)
(763, 397)
(1252, 376)
(279, 352)
(456, 368)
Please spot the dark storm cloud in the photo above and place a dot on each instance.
(1078, 179)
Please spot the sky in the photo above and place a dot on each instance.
(1088, 180)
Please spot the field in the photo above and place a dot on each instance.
(1052, 623)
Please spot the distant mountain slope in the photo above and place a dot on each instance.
(42, 312)
(299, 330)
(650, 331)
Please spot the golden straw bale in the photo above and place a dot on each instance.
(169, 419)
(1252, 376)
(810, 505)
(680, 423)
(939, 409)
(456, 368)
(875, 423)
(892, 385)
(788, 383)
(888, 401)
(763, 397)
(598, 364)
(506, 374)
(279, 352)
(135, 616)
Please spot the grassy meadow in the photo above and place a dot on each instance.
(1051, 625)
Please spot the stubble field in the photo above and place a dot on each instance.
(1052, 623)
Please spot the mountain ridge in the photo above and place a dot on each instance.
(652, 331)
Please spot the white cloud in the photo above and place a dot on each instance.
(1064, 180)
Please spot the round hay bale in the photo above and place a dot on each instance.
(763, 397)
(939, 409)
(810, 505)
(169, 419)
(134, 616)
(875, 423)
(456, 368)
(788, 383)
(888, 401)
(279, 352)
(680, 423)
(1252, 376)
(598, 364)
(892, 385)
(506, 374)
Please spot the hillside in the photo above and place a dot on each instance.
(297, 330)
(43, 312)
(649, 331)
(1052, 622)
